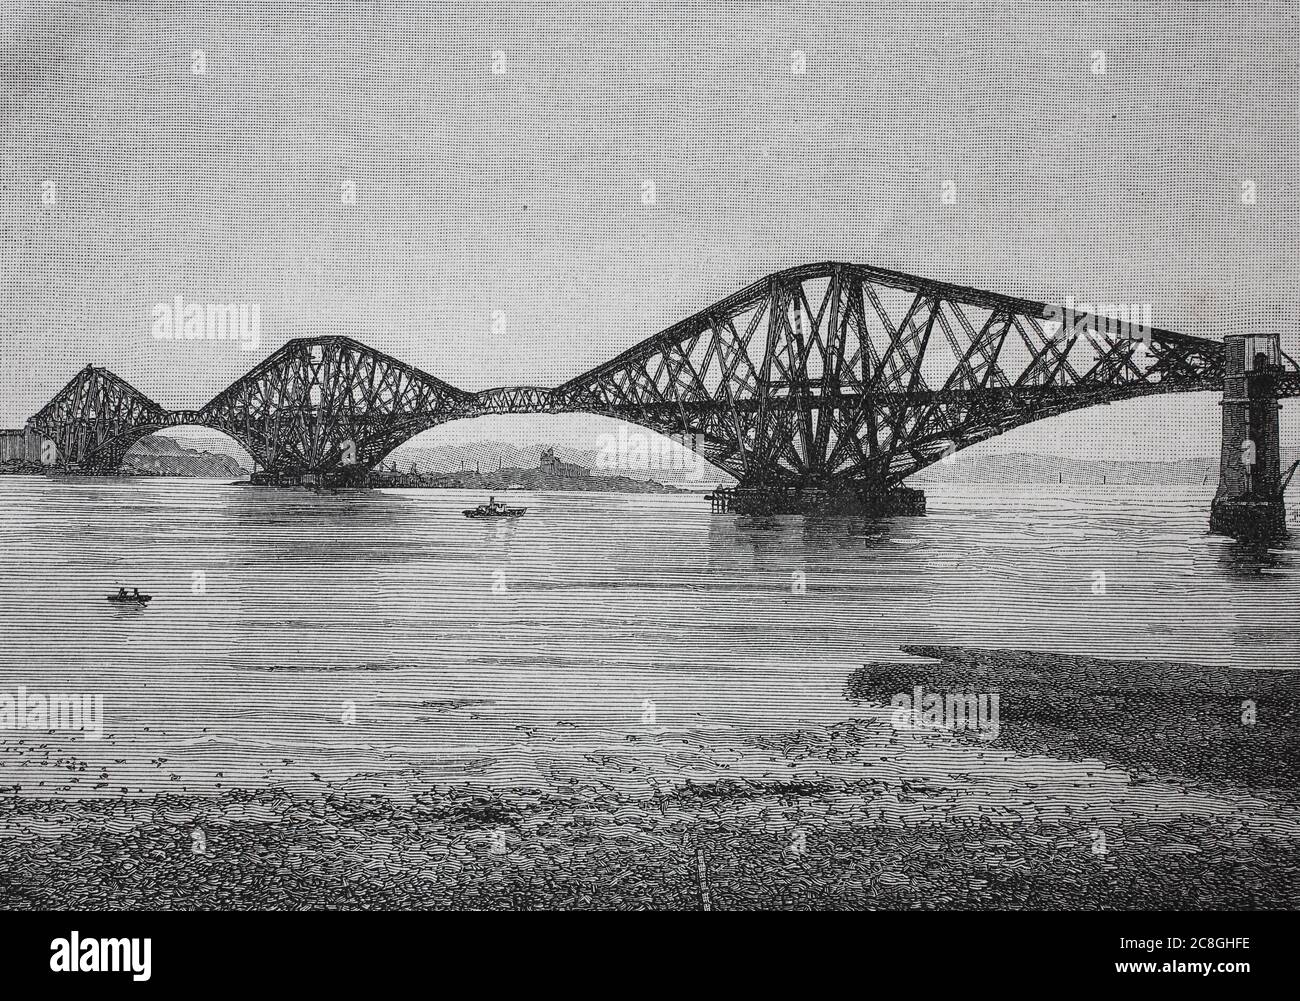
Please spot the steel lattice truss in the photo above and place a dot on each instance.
(820, 374)
(519, 400)
(834, 372)
(96, 418)
(310, 406)
(316, 403)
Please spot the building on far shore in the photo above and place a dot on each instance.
(393, 477)
(19, 446)
(552, 466)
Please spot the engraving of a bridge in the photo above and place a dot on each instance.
(824, 376)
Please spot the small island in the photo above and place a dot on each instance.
(550, 474)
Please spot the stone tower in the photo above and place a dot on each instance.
(1249, 503)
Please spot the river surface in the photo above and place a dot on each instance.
(352, 639)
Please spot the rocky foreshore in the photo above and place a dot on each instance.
(479, 848)
(1221, 728)
(1108, 785)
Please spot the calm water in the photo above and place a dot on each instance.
(550, 648)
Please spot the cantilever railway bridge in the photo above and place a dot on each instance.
(826, 377)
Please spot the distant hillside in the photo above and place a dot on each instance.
(1028, 468)
(484, 454)
(156, 455)
(680, 468)
(496, 480)
(454, 465)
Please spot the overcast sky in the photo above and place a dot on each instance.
(128, 178)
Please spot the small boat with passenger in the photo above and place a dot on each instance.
(132, 597)
(494, 509)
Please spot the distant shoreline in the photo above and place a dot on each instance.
(1039, 469)
(502, 480)
(160, 455)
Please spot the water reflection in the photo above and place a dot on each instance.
(767, 534)
(1254, 560)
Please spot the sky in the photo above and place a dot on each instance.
(498, 233)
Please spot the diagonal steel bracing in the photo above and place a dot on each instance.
(839, 372)
(825, 374)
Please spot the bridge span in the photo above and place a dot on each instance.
(820, 387)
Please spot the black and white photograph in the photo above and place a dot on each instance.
(688, 457)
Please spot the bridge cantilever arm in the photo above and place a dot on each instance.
(1286, 477)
